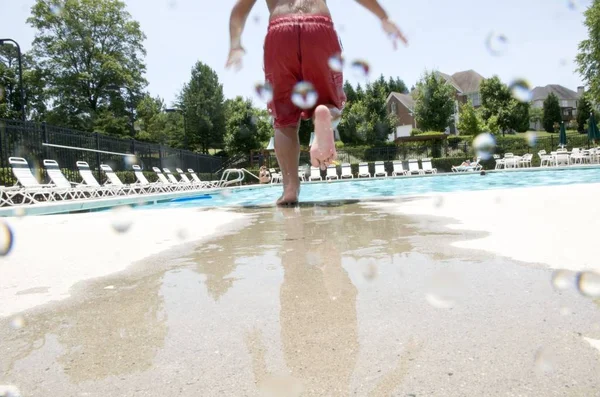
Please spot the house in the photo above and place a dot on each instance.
(567, 99)
(402, 106)
(465, 83)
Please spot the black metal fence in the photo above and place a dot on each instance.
(38, 141)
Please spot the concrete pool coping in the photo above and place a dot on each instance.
(67, 206)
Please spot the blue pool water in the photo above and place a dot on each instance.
(381, 188)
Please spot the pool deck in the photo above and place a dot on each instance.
(443, 295)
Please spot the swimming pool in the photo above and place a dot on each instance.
(392, 187)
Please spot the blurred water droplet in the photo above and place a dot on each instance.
(369, 268)
(531, 138)
(439, 302)
(438, 201)
(109, 287)
(336, 63)
(17, 323)
(225, 193)
(304, 95)
(122, 218)
(253, 120)
(264, 91)
(484, 144)
(256, 19)
(19, 212)
(130, 160)
(520, 90)
(565, 311)
(543, 360)
(360, 68)
(172, 4)
(588, 284)
(182, 234)
(496, 43)
(563, 62)
(55, 9)
(9, 391)
(6, 238)
(576, 5)
(563, 279)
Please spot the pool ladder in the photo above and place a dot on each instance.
(241, 173)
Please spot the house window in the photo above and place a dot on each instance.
(567, 112)
(564, 103)
(475, 99)
(394, 108)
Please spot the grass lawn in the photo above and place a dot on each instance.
(544, 133)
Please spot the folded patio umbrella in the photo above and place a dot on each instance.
(563, 135)
(593, 132)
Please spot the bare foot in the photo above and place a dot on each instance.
(322, 151)
(290, 195)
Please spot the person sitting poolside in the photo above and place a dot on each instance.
(466, 163)
(264, 176)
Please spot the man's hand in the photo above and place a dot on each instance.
(235, 58)
(393, 32)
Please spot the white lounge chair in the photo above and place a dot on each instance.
(90, 180)
(331, 173)
(28, 188)
(380, 169)
(363, 170)
(180, 184)
(398, 168)
(113, 180)
(427, 167)
(526, 160)
(346, 171)
(499, 162)
(315, 174)
(276, 177)
(205, 184)
(165, 182)
(74, 190)
(155, 187)
(545, 159)
(413, 167)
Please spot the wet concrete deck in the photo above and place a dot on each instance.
(320, 301)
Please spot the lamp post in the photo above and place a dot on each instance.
(179, 110)
(2, 42)
(130, 104)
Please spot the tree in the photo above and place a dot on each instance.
(520, 116)
(536, 115)
(203, 102)
(470, 122)
(91, 52)
(551, 113)
(33, 82)
(351, 95)
(243, 132)
(495, 96)
(434, 103)
(584, 109)
(396, 85)
(588, 58)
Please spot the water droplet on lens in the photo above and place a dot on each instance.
(225, 193)
(520, 90)
(130, 160)
(336, 63)
(438, 202)
(182, 234)
(531, 138)
(563, 62)
(109, 287)
(264, 91)
(575, 5)
(565, 311)
(562, 279)
(17, 323)
(55, 9)
(19, 212)
(256, 19)
(9, 391)
(484, 144)
(6, 239)
(172, 4)
(439, 302)
(304, 95)
(496, 43)
(360, 68)
(544, 360)
(122, 218)
(588, 284)
(369, 268)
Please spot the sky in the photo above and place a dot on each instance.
(450, 36)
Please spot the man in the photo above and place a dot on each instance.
(300, 42)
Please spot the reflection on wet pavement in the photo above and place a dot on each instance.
(316, 301)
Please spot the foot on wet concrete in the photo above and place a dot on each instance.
(322, 151)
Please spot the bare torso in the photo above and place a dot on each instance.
(287, 7)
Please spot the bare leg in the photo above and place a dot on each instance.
(322, 151)
(287, 149)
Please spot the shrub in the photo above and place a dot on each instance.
(415, 132)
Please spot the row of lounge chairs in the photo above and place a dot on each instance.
(363, 171)
(29, 190)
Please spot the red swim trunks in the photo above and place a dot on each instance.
(298, 48)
